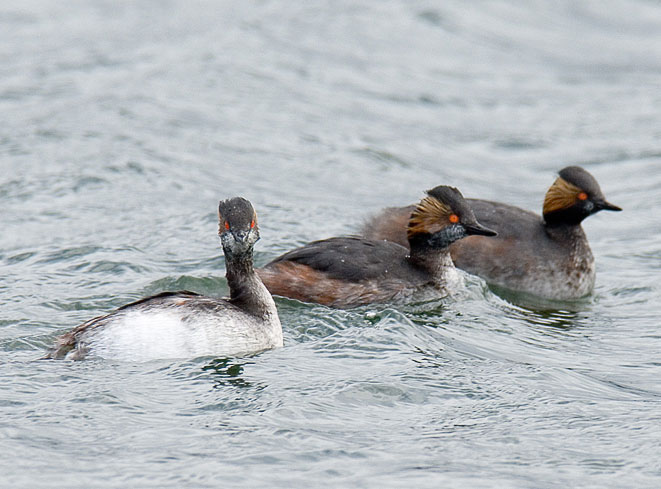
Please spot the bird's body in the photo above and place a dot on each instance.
(548, 256)
(171, 325)
(185, 324)
(351, 271)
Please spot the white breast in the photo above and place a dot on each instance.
(141, 335)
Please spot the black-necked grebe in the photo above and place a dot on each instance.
(185, 324)
(549, 257)
(351, 271)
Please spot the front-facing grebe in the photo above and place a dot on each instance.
(351, 271)
(549, 257)
(185, 324)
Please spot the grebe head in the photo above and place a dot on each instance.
(574, 196)
(237, 225)
(442, 218)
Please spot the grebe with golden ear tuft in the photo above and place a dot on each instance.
(352, 271)
(547, 256)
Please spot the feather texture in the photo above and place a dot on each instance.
(561, 195)
(429, 217)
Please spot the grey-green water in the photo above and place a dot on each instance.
(125, 122)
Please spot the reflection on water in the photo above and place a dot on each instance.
(556, 318)
(534, 303)
(226, 372)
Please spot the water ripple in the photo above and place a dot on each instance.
(126, 123)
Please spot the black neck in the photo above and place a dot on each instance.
(245, 286)
(565, 232)
(565, 217)
(429, 251)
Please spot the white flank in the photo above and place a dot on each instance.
(153, 334)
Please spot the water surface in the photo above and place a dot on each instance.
(125, 123)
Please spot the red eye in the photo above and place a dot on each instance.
(252, 224)
(227, 225)
(582, 196)
(454, 218)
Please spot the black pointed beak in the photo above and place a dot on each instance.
(478, 229)
(241, 236)
(606, 206)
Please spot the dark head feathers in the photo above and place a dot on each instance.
(574, 196)
(443, 206)
(452, 198)
(237, 212)
(580, 178)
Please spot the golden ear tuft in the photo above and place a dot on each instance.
(429, 216)
(561, 195)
